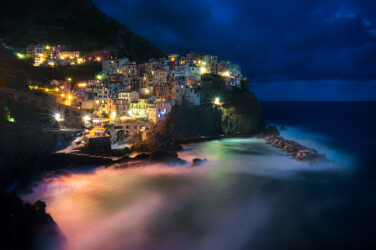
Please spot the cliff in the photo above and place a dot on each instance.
(77, 23)
(241, 114)
(238, 114)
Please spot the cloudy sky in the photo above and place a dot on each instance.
(290, 50)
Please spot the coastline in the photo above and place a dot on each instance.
(142, 159)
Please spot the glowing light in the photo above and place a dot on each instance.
(20, 56)
(99, 77)
(82, 85)
(147, 91)
(47, 47)
(216, 101)
(113, 115)
(227, 73)
(58, 117)
(69, 79)
(69, 99)
(203, 70)
(86, 118)
(62, 95)
(130, 113)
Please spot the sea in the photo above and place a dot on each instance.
(248, 195)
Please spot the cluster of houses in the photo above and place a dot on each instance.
(126, 90)
(52, 55)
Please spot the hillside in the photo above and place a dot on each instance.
(76, 23)
(15, 72)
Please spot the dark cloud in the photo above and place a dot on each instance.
(288, 41)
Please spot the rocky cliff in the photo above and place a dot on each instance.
(239, 113)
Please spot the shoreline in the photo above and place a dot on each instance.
(65, 165)
(69, 162)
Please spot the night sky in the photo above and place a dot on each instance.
(290, 50)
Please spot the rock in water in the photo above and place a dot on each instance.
(297, 151)
(198, 162)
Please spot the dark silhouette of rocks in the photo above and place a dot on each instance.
(24, 225)
(296, 150)
(198, 162)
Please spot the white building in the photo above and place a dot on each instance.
(130, 96)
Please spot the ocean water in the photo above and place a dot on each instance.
(248, 195)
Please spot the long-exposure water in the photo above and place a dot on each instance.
(247, 196)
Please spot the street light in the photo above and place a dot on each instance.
(69, 98)
(216, 101)
(58, 117)
(113, 115)
(86, 118)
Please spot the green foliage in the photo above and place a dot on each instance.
(105, 115)
(79, 73)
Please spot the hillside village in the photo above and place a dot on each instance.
(125, 90)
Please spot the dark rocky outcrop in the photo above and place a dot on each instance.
(297, 151)
(157, 141)
(270, 131)
(158, 148)
(198, 162)
(24, 225)
(241, 114)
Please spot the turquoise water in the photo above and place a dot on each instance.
(247, 196)
(243, 197)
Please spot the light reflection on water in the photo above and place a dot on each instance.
(243, 197)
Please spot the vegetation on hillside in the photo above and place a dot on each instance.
(76, 23)
(15, 72)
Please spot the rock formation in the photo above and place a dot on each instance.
(24, 225)
(297, 151)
